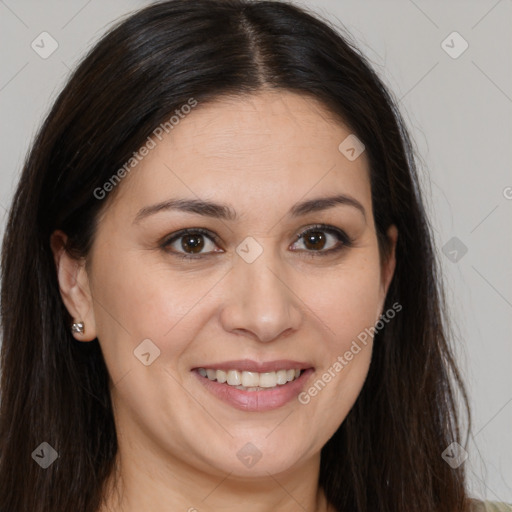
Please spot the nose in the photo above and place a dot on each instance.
(260, 302)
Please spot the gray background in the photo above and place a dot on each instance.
(459, 113)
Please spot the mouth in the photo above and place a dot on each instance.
(251, 381)
(252, 386)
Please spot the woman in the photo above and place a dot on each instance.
(219, 285)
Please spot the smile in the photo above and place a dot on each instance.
(250, 381)
(253, 386)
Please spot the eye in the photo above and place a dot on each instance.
(192, 243)
(321, 240)
(318, 240)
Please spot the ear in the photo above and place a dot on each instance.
(74, 286)
(388, 266)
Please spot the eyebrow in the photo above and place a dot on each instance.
(225, 212)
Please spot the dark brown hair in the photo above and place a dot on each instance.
(386, 455)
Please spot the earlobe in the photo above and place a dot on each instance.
(74, 288)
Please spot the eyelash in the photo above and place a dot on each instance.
(345, 240)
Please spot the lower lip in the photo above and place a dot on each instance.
(256, 401)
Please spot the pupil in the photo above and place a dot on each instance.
(194, 243)
(317, 237)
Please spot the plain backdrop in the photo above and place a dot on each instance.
(457, 102)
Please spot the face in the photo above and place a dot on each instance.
(267, 284)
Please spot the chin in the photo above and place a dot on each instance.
(259, 458)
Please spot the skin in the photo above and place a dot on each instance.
(178, 444)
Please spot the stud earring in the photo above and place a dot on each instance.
(78, 328)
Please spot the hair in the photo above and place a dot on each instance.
(386, 454)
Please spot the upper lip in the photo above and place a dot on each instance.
(248, 365)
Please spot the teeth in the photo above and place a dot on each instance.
(234, 378)
(268, 380)
(250, 381)
(281, 377)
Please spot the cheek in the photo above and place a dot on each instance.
(347, 306)
(347, 302)
(135, 302)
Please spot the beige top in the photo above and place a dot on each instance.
(490, 506)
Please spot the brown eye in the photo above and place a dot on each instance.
(322, 240)
(315, 240)
(190, 243)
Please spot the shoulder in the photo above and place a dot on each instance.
(489, 506)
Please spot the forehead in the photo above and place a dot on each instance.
(256, 147)
(235, 127)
